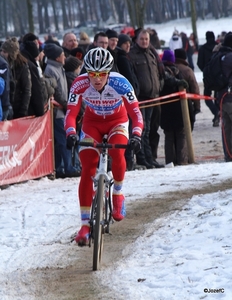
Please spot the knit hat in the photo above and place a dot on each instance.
(11, 46)
(168, 55)
(71, 63)
(78, 52)
(228, 40)
(30, 37)
(123, 38)
(180, 53)
(209, 35)
(32, 48)
(111, 33)
(52, 51)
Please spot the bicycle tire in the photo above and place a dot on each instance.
(98, 228)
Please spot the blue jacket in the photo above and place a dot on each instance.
(2, 87)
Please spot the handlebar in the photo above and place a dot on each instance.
(102, 145)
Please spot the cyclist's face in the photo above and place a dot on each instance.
(98, 79)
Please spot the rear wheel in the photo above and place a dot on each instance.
(99, 226)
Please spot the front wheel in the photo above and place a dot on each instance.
(99, 226)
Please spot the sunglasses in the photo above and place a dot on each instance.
(97, 74)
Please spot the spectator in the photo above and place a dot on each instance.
(171, 114)
(188, 49)
(142, 58)
(154, 39)
(175, 41)
(63, 157)
(22, 94)
(125, 68)
(112, 44)
(100, 40)
(84, 41)
(193, 42)
(189, 76)
(69, 42)
(9, 50)
(78, 53)
(204, 54)
(30, 50)
(225, 97)
(72, 68)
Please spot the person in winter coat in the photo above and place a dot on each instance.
(29, 48)
(22, 77)
(171, 113)
(225, 97)
(204, 54)
(9, 51)
(69, 42)
(188, 49)
(54, 68)
(189, 76)
(112, 44)
(125, 68)
(175, 41)
(146, 69)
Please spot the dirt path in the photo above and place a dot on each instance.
(78, 281)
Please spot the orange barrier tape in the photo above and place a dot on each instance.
(198, 97)
(182, 95)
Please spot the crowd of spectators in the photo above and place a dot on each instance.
(32, 73)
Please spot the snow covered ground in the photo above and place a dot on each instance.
(188, 257)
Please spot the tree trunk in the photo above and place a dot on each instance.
(136, 10)
(55, 15)
(64, 14)
(194, 18)
(30, 16)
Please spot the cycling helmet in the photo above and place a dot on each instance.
(98, 59)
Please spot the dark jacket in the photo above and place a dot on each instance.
(125, 68)
(227, 71)
(171, 113)
(22, 94)
(146, 70)
(205, 53)
(37, 100)
(189, 76)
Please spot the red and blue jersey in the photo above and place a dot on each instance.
(115, 102)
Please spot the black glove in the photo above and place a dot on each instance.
(135, 143)
(71, 141)
(183, 83)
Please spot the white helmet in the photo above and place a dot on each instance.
(98, 59)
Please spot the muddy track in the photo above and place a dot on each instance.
(78, 281)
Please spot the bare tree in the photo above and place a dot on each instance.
(136, 10)
(30, 16)
(194, 17)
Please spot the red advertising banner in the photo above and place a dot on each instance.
(26, 149)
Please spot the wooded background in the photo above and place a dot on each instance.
(44, 16)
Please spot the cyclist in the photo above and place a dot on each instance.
(109, 99)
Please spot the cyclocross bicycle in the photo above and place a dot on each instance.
(101, 209)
